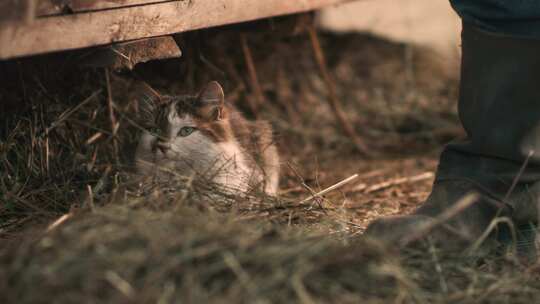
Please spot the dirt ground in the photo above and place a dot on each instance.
(70, 238)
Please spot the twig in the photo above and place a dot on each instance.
(120, 284)
(359, 188)
(90, 198)
(333, 100)
(303, 183)
(254, 80)
(93, 138)
(47, 155)
(438, 268)
(210, 64)
(112, 117)
(123, 56)
(518, 176)
(291, 190)
(373, 173)
(331, 188)
(58, 222)
(299, 176)
(493, 225)
(68, 113)
(399, 181)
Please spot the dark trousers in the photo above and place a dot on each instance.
(499, 104)
(518, 18)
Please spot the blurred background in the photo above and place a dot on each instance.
(425, 22)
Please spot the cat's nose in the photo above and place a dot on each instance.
(162, 146)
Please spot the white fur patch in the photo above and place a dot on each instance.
(195, 153)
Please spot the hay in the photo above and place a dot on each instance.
(119, 255)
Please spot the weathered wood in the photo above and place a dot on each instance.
(58, 7)
(14, 11)
(123, 24)
(127, 54)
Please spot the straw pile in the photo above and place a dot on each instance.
(119, 255)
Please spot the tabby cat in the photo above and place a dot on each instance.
(204, 136)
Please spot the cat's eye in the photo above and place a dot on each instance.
(185, 131)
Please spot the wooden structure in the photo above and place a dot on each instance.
(40, 26)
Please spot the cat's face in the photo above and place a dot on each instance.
(185, 128)
(192, 136)
(169, 129)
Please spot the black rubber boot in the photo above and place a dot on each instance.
(499, 107)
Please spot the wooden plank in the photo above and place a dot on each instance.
(103, 27)
(58, 7)
(126, 55)
(13, 11)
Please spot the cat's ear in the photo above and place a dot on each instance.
(211, 101)
(147, 100)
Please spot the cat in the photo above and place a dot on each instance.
(205, 136)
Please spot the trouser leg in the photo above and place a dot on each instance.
(499, 107)
(510, 17)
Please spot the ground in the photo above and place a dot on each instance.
(65, 145)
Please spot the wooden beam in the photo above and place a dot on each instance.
(59, 7)
(14, 11)
(94, 28)
(126, 55)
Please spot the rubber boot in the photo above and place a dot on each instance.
(499, 160)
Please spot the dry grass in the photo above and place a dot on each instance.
(73, 235)
(117, 254)
(123, 255)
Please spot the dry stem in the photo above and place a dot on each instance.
(112, 117)
(333, 100)
(254, 80)
(331, 188)
(399, 181)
